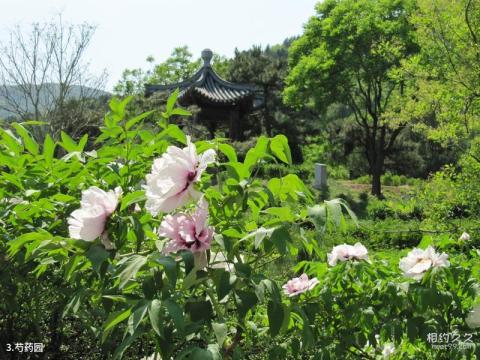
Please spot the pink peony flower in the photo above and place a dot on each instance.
(299, 285)
(88, 222)
(170, 184)
(418, 261)
(347, 252)
(187, 232)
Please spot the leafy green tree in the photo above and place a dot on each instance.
(443, 79)
(179, 66)
(347, 55)
(266, 69)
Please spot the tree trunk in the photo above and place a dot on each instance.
(376, 183)
(376, 169)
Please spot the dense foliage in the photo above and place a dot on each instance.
(122, 271)
(140, 239)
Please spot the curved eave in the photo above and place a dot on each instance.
(209, 87)
(215, 94)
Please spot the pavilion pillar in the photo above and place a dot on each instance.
(236, 132)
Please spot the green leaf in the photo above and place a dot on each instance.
(30, 144)
(155, 315)
(197, 354)
(138, 314)
(11, 142)
(48, 149)
(118, 106)
(221, 332)
(262, 144)
(199, 310)
(97, 255)
(276, 314)
(318, 214)
(234, 233)
(82, 142)
(181, 112)
(126, 343)
(74, 303)
(176, 133)
(224, 282)
(282, 213)
(15, 245)
(228, 151)
(133, 265)
(189, 280)
(280, 237)
(188, 260)
(176, 314)
(243, 270)
(116, 318)
(169, 265)
(33, 122)
(172, 99)
(132, 198)
(279, 147)
(334, 211)
(260, 234)
(68, 143)
(71, 266)
(246, 301)
(214, 351)
(426, 241)
(251, 159)
(116, 298)
(238, 170)
(137, 119)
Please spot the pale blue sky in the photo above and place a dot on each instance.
(130, 30)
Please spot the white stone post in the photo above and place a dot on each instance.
(320, 176)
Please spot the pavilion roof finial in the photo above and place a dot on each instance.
(207, 55)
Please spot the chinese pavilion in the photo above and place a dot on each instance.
(219, 101)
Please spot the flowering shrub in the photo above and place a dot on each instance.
(159, 245)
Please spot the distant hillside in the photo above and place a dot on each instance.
(47, 93)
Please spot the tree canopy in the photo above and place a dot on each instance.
(347, 55)
(444, 77)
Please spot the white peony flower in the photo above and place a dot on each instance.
(170, 184)
(418, 262)
(347, 252)
(88, 222)
(97, 197)
(465, 236)
(388, 349)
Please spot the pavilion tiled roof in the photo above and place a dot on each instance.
(208, 86)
